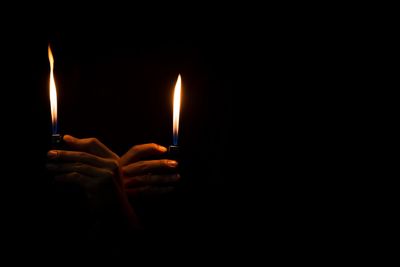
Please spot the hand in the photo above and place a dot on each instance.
(143, 177)
(89, 163)
(93, 166)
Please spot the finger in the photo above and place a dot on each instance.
(80, 168)
(146, 166)
(140, 152)
(90, 145)
(151, 179)
(83, 157)
(148, 191)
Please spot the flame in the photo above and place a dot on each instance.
(177, 106)
(53, 93)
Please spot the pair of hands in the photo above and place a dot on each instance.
(92, 165)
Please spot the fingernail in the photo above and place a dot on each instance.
(172, 163)
(52, 154)
(68, 138)
(162, 149)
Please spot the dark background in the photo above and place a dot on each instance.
(116, 83)
(262, 95)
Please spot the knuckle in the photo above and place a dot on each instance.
(114, 165)
(135, 149)
(153, 146)
(93, 141)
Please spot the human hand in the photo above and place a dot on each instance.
(88, 162)
(143, 177)
(94, 167)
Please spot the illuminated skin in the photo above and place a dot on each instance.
(93, 166)
(143, 177)
(109, 179)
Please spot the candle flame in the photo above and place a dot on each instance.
(53, 93)
(177, 105)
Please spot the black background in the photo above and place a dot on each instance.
(258, 129)
(115, 82)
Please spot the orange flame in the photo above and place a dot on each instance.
(177, 106)
(53, 93)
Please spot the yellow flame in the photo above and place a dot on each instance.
(53, 92)
(177, 106)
